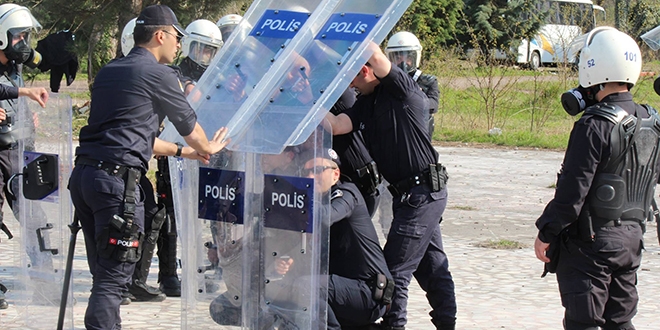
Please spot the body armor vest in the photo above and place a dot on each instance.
(425, 81)
(624, 188)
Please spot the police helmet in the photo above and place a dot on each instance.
(202, 42)
(609, 55)
(227, 24)
(17, 23)
(127, 41)
(404, 50)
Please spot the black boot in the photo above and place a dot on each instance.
(167, 261)
(126, 298)
(143, 292)
(171, 286)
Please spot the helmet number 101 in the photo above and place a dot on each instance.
(630, 56)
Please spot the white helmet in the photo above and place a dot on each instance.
(227, 24)
(202, 42)
(127, 41)
(609, 55)
(404, 50)
(15, 22)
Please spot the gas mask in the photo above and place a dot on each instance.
(21, 52)
(577, 99)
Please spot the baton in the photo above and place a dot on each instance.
(74, 227)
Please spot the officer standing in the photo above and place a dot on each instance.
(198, 47)
(392, 114)
(16, 27)
(404, 50)
(360, 285)
(357, 166)
(595, 224)
(129, 98)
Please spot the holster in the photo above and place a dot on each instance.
(382, 289)
(163, 183)
(121, 239)
(367, 178)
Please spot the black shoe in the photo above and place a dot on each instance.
(144, 292)
(3, 304)
(171, 286)
(126, 298)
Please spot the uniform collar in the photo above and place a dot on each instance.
(139, 51)
(618, 97)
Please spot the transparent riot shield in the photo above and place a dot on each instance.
(44, 209)
(285, 276)
(652, 38)
(264, 33)
(302, 83)
(209, 208)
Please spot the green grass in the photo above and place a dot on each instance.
(503, 244)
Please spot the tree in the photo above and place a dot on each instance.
(498, 24)
(432, 21)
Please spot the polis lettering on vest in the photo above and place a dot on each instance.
(115, 241)
(288, 200)
(226, 193)
(347, 27)
(282, 25)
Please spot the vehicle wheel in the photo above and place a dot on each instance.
(535, 61)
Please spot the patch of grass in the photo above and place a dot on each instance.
(463, 207)
(502, 244)
(552, 186)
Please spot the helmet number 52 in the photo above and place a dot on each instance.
(591, 63)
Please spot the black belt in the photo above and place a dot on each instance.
(616, 223)
(435, 177)
(111, 169)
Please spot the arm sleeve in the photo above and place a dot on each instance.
(171, 102)
(8, 92)
(342, 207)
(433, 95)
(585, 150)
(398, 83)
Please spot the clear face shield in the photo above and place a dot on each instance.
(202, 53)
(404, 59)
(226, 31)
(19, 49)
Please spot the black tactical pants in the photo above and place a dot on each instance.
(597, 280)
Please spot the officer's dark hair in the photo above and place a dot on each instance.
(142, 34)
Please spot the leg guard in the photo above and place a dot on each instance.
(139, 288)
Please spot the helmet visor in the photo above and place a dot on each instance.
(17, 35)
(226, 31)
(405, 59)
(202, 53)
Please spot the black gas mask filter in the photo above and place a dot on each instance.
(577, 99)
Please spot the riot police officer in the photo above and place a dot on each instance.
(360, 285)
(594, 223)
(16, 27)
(227, 24)
(404, 50)
(391, 113)
(198, 48)
(130, 97)
(357, 166)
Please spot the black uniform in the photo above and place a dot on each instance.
(129, 97)
(356, 166)
(429, 85)
(393, 121)
(599, 255)
(356, 260)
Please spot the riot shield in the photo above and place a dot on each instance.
(234, 74)
(302, 82)
(44, 209)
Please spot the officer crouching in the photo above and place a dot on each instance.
(357, 265)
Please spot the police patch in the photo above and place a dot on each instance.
(336, 194)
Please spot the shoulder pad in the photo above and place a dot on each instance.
(336, 194)
(611, 112)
